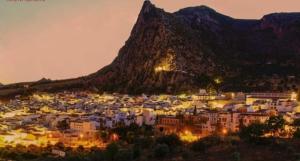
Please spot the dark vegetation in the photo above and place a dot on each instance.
(138, 144)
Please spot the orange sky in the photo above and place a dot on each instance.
(60, 39)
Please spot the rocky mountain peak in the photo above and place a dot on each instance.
(147, 7)
(149, 10)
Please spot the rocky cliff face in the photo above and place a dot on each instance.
(194, 48)
(162, 54)
(197, 47)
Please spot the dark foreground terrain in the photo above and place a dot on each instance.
(208, 149)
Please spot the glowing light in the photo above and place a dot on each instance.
(224, 131)
(81, 136)
(218, 81)
(294, 96)
(162, 68)
(165, 63)
(232, 95)
(115, 137)
(188, 136)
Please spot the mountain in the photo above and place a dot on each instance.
(197, 47)
(194, 48)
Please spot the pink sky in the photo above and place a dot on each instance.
(60, 39)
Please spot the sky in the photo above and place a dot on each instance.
(60, 39)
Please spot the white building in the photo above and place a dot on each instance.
(149, 116)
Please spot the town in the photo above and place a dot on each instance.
(78, 118)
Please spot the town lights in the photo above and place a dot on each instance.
(224, 131)
(115, 137)
(186, 132)
(188, 136)
(81, 136)
(232, 95)
(162, 68)
(217, 80)
(158, 69)
(294, 96)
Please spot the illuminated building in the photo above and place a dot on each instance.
(199, 125)
(86, 129)
(169, 124)
(248, 118)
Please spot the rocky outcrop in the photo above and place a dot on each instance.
(160, 55)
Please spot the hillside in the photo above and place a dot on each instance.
(198, 47)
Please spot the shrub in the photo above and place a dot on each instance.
(297, 134)
(275, 124)
(144, 142)
(205, 143)
(161, 150)
(186, 155)
(252, 132)
(296, 123)
(136, 152)
(124, 155)
(111, 151)
(171, 140)
(236, 156)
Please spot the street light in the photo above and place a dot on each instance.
(224, 131)
(81, 136)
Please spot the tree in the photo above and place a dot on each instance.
(96, 155)
(236, 156)
(161, 150)
(252, 132)
(127, 133)
(80, 149)
(144, 142)
(136, 152)
(104, 135)
(205, 143)
(297, 134)
(111, 151)
(275, 124)
(124, 155)
(296, 123)
(73, 158)
(172, 140)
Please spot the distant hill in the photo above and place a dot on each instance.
(194, 48)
